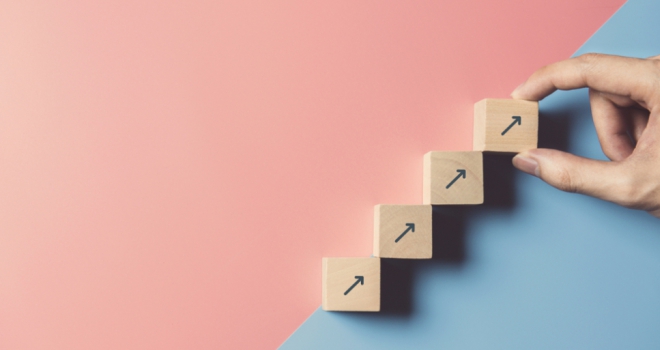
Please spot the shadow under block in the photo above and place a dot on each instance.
(453, 178)
(351, 284)
(403, 231)
(505, 125)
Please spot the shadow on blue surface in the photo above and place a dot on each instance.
(450, 222)
(533, 268)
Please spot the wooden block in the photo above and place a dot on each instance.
(453, 178)
(403, 231)
(505, 125)
(351, 284)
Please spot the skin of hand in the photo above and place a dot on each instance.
(624, 93)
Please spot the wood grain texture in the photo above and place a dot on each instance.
(339, 274)
(493, 116)
(391, 221)
(441, 169)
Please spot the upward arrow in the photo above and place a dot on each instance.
(461, 172)
(516, 120)
(411, 227)
(360, 280)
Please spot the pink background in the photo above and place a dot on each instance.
(171, 173)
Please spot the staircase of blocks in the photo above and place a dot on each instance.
(450, 178)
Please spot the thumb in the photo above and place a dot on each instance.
(571, 173)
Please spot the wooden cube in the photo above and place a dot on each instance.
(351, 284)
(453, 178)
(505, 125)
(403, 231)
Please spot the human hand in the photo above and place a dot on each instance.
(625, 103)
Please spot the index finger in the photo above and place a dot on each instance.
(624, 76)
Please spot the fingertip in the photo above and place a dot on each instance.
(516, 94)
(526, 163)
(572, 173)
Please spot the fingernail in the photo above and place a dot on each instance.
(526, 164)
(515, 91)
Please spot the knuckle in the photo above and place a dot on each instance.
(639, 193)
(629, 194)
(566, 181)
(655, 73)
(590, 57)
(648, 82)
(655, 62)
(649, 197)
(589, 60)
(588, 63)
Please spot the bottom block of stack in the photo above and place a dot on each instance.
(351, 284)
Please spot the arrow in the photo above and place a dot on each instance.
(516, 119)
(360, 280)
(461, 172)
(410, 227)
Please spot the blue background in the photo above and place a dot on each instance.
(534, 268)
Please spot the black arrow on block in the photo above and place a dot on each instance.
(516, 120)
(411, 227)
(360, 280)
(461, 172)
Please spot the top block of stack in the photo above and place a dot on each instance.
(505, 125)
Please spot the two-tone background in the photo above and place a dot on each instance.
(172, 172)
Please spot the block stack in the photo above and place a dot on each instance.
(450, 178)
